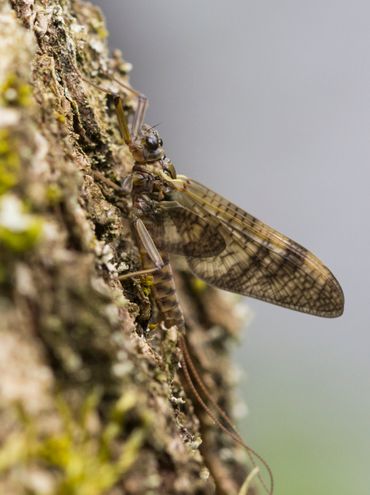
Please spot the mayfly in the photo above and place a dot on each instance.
(223, 245)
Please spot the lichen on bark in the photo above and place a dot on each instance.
(91, 401)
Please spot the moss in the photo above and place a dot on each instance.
(102, 32)
(21, 241)
(9, 161)
(86, 462)
(54, 194)
(99, 27)
(15, 92)
(147, 284)
(19, 231)
(60, 117)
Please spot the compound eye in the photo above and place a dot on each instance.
(152, 142)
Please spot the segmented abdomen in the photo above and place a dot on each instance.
(164, 291)
(165, 295)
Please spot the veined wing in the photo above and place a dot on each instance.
(178, 230)
(258, 261)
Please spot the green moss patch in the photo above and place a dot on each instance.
(19, 230)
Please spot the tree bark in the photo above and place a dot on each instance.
(91, 400)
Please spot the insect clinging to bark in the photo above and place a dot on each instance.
(223, 245)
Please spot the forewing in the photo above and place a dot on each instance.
(178, 230)
(258, 261)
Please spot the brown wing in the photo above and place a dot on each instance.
(178, 230)
(257, 260)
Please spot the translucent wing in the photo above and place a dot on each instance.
(257, 260)
(178, 230)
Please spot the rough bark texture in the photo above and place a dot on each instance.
(91, 401)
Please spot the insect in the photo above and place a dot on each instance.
(223, 245)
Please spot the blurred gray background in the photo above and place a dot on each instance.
(268, 103)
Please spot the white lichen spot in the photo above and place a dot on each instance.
(78, 28)
(11, 95)
(106, 255)
(103, 251)
(9, 117)
(122, 369)
(122, 267)
(111, 311)
(51, 231)
(126, 67)
(42, 20)
(70, 46)
(39, 162)
(111, 267)
(24, 282)
(38, 481)
(12, 214)
(196, 443)
(204, 474)
(97, 46)
(177, 400)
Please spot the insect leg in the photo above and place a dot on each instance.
(139, 116)
(108, 182)
(122, 120)
(148, 243)
(164, 290)
(150, 250)
(138, 273)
